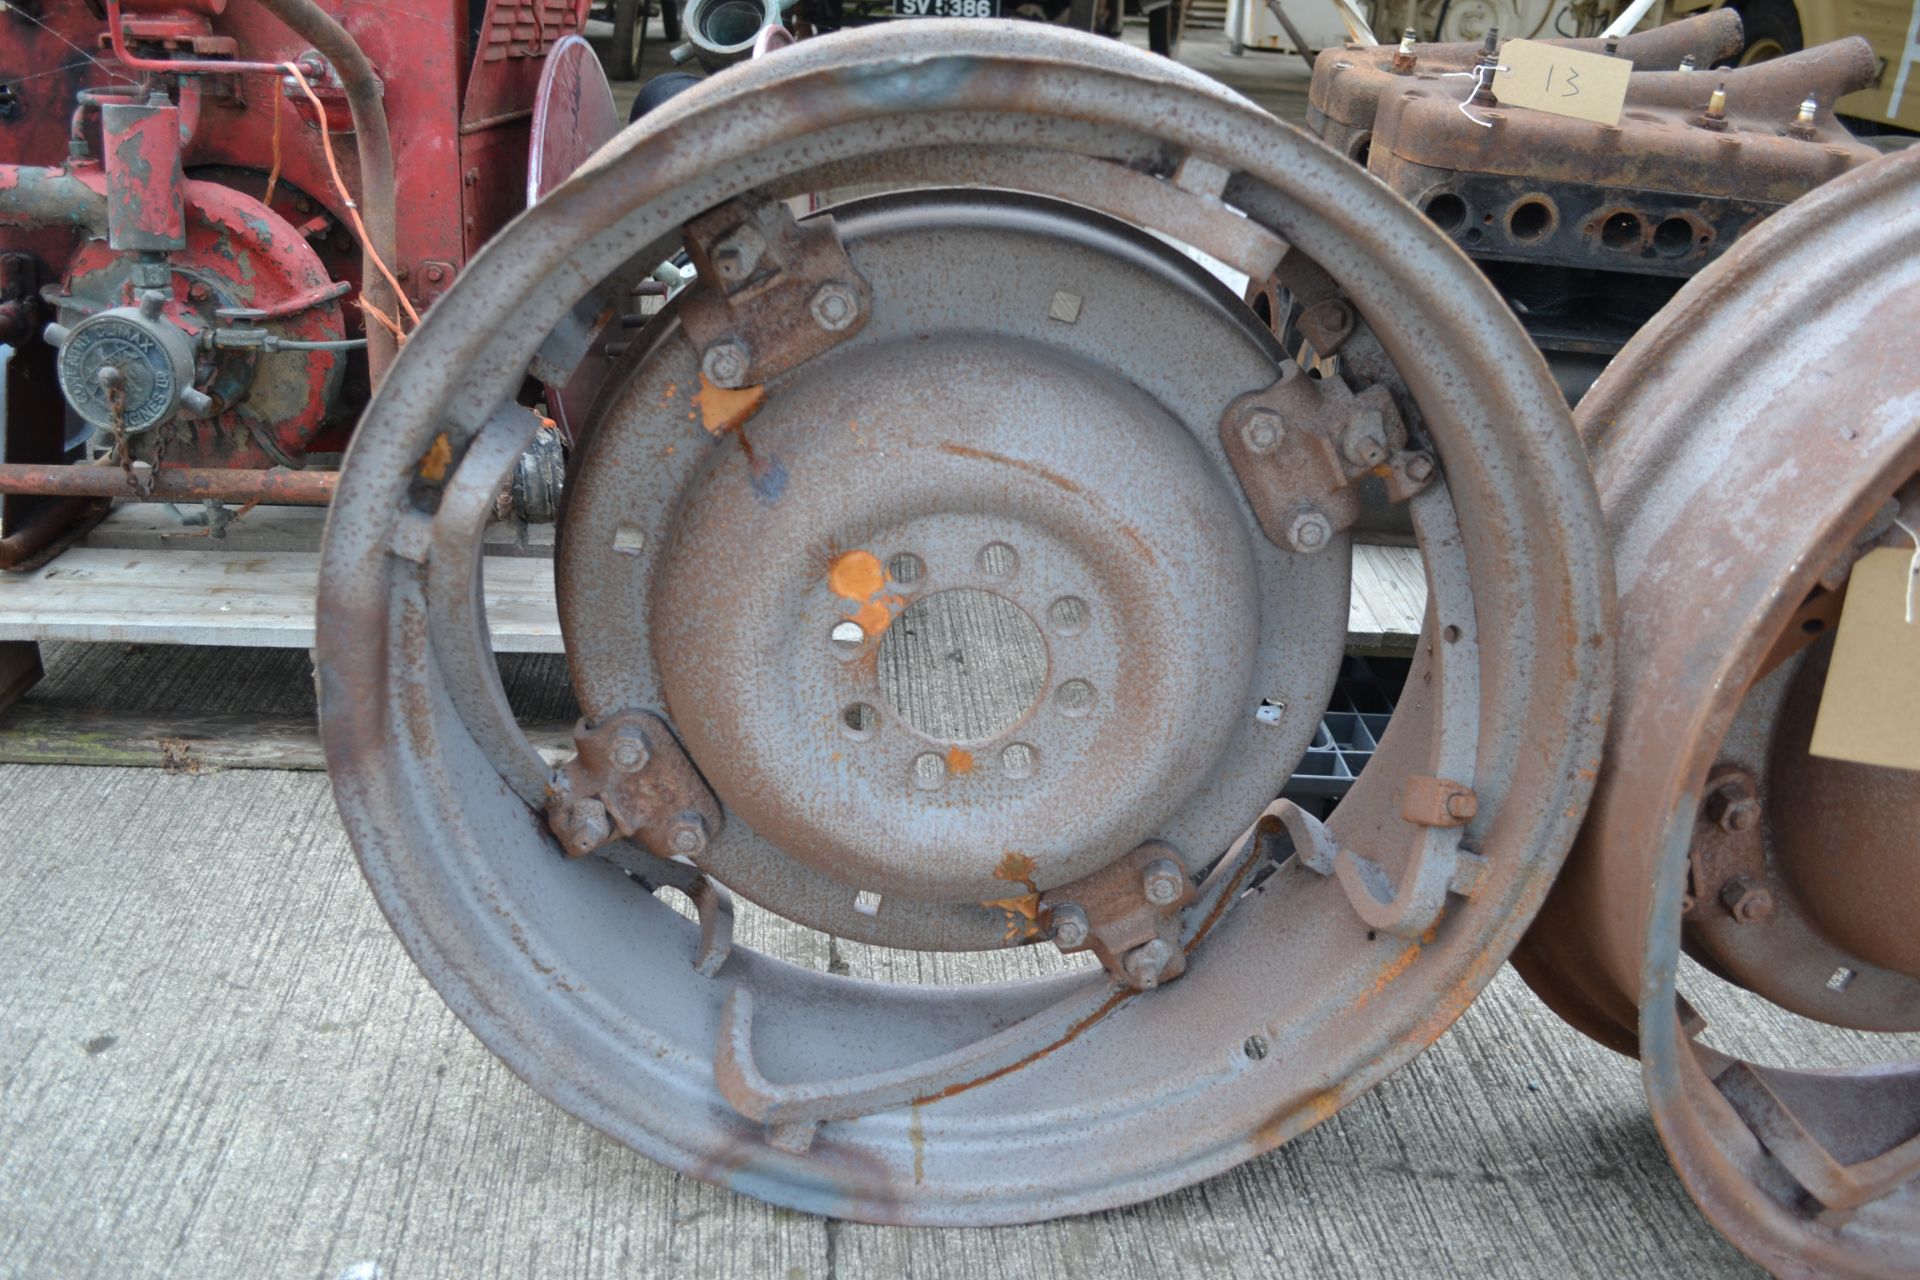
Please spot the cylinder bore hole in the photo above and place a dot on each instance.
(1447, 211)
(1530, 220)
(1673, 237)
(962, 665)
(1622, 230)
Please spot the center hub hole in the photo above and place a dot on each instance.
(962, 665)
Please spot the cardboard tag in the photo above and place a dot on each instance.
(1545, 77)
(1870, 707)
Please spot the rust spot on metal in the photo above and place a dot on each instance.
(917, 1135)
(1073, 1033)
(438, 457)
(1018, 464)
(1023, 911)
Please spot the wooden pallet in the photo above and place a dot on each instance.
(143, 578)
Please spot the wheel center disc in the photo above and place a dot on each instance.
(974, 582)
(907, 735)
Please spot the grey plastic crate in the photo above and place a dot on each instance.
(1363, 699)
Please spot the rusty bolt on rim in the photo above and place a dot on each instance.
(862, 1099)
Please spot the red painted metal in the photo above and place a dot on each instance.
(158, 126)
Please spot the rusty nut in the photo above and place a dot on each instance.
(1747, 902)
(689, 835)
(1733, 812)
(1069, 927)
(629, 753)
(1309, 532)
(726, 363)
(1162, 882)
(1263, 430)
(834, 306)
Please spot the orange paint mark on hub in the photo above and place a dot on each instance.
(724, 409)
(856, 575)
(958, 761)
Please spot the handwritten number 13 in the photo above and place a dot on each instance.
(1572, 80)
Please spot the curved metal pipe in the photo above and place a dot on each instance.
(374, 147)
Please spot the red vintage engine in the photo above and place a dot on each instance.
(219, 219)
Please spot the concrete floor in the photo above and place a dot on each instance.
(215, 1060)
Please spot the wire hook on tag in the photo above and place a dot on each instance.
(1481, 76)
(1913, 565)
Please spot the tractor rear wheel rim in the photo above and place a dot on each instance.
(581, 981)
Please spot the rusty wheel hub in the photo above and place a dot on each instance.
(962, 571)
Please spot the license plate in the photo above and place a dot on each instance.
(946, 8)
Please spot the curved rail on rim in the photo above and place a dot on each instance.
(582, 984)
(1756, 426)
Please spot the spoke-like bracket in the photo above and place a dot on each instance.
(1437, 866)
(629, 779)
(1298, 446)
(772, 292)
(1790, 1111)
(793, 1112)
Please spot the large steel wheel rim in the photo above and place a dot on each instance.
(552, 964)
(1691, 427)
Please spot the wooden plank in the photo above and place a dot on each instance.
(150, 526)
(1389, 600)
(189, 742)
(153, 591)
(261, 599)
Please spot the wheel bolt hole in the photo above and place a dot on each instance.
(858, 720)
(846, 638)
(906, 569)
(1069, 615)
(998, 560)
(1017, 760)
(929, 771)
(1074, 698)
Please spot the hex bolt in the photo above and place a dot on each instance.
(588, 827)
(1162, 881)
(1419, 467)
(726, 363)
(629, 753)
(1148, 961)
(1732, 811)
(689, 836)
(1263, 430)
(1747, 902)
(1309, 531)
(1070, 927)
(834, 306)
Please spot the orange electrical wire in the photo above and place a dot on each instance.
(353, 210)
(273, 177)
